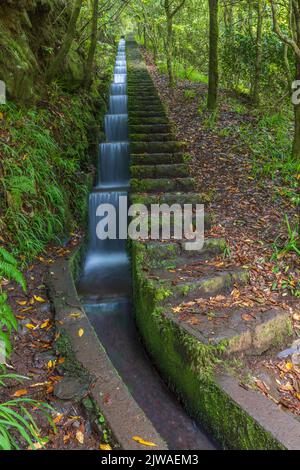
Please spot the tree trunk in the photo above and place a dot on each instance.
(213, 55)
(169, 45)
(258, 58)
(296, 143)
(60, 57)
(93, 45)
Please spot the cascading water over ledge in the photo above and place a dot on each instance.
(105, 285)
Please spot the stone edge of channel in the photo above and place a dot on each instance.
(123, 415)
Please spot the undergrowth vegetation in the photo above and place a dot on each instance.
(44, 163)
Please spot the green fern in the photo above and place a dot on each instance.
(11, 272)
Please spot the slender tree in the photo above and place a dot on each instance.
(293, 41)
(170, 12)
(93, 45)
(258, 53)
(59, 58)
(213, 82)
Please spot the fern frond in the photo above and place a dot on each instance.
(8, 257)
(12, 273)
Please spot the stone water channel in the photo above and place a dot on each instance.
(105, 285)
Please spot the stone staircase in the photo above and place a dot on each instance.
(160, 174)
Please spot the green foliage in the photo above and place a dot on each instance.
(9, 270)
(270, 143)
(44, 165)
(16, 422)
(292, 243)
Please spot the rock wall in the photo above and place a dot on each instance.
(31, 31)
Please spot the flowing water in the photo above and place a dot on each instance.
(105, 284)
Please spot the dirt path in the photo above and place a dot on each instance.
(250, 215)
(246, 211)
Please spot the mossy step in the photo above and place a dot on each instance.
(162, 185)
(171, 251)
(185, 287)
(226, 327)
(155, 137)
(150, 129)
(156, 147)
(170, 198)
(159, 171)
(148, 120)
(145, 113)
(157, 158)
(149, 105)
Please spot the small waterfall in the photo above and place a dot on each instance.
(116, 127)
(117, 89)
(120, 69)
(118, 104)
(106, 271)
(120, 77)
(114, 165)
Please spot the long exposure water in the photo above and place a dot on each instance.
(106, 290)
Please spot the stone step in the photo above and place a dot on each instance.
(157, 147)
(171, 251)
(157, 158)
(150, 129)
(155, 137)
(189, 285)
(170, 198)
(152, 185)
(145, 113)
(148, 120)
(226, 327)
(159, 171)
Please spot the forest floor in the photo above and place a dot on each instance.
(249, 214)
(34, 356)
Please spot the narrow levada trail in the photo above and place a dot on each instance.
(106, 291)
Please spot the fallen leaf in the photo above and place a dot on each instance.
(45, 324)
(247, 317)
(140, 440)
(80, 332)
(39, 299)
(105, 447)
(21, 302)
(80, 437)
(289, 365)
(30, 326)
(20, 393)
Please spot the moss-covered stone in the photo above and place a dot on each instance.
(159, 171)
(156, 147)
(162, 184)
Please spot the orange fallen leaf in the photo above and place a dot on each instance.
(80, 332)
(289, 365)
(80, 437)
(20, 393)
(45, 324)
(140, 440)
(21, 302)
(247, 317)
(58, 418)
(30, 326)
